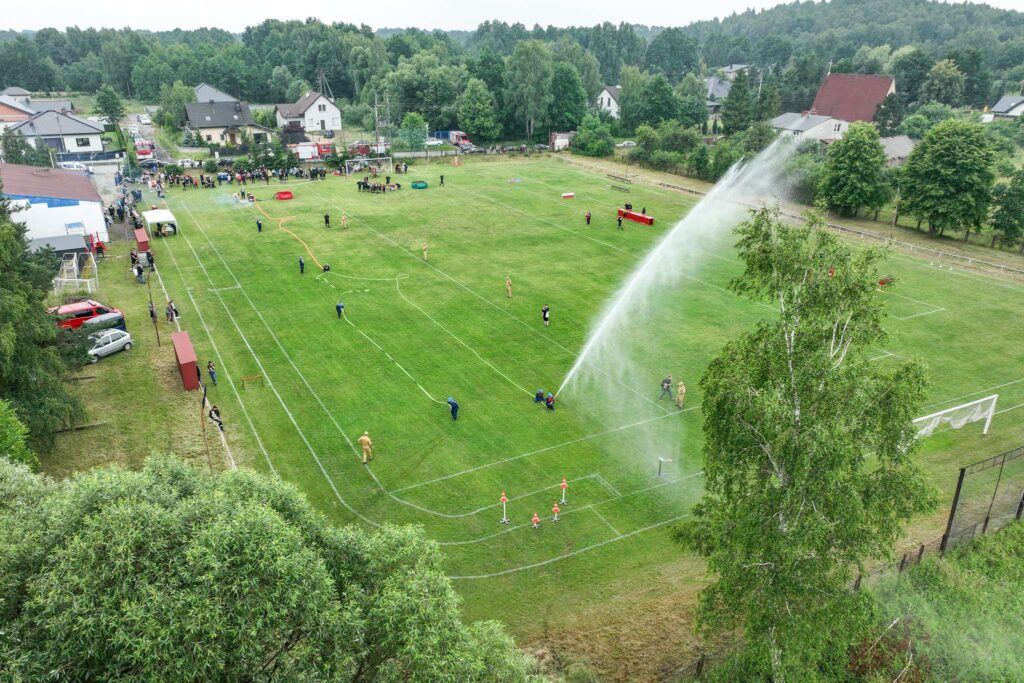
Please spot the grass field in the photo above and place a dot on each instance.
(606, 583)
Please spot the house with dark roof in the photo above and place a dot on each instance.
(52, 202)
(63, 105)
(608, 100)
(312, 112)
(62, 132)
(810, 126)
(897, 149)
(1008, 108)
(852, 97)
(717, 89)
(207, 93)
(225, 123)
(733, 70)
(13, 111)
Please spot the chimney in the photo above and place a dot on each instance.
(238, 106)
(804, 113)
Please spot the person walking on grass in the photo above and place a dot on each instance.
(302, 266)
(327, 220)
(169, 313)
(367, 445)
(211, 369)
(454, 408)
(620, 222)
(344, 221)
(587, 215)
(442, 181)
(152, 312)
(545, 314)
(259, 225)
(666, 388)
(424, 251)
(508, 286)
(340, 308)
(680, 396)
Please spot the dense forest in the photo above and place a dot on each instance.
(424, 69)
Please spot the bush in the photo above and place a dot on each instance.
(210, 166)
(593, 138)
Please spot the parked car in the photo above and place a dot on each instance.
(71, 316)
(144, 119)
(626, 143)
(101, 322)
(107, 342)
(189, 163)
(472, 149)
(76, 166)
(133, 131)
(433, 142)
(541, 147)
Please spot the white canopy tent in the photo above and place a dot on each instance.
(161, 218)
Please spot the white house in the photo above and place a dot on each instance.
(1008, 108)
(313, 111)
(62, 132)
(812, 126)
(608, 100)
(52, 202)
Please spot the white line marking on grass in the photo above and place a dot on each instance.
(453, 336)
(390, 358)
(975, 393)
(566, 556)
(918, 315)
(603, 519)
(884, 354)
(487, 301)
(530, 453)
(615, 491)
(266, 375)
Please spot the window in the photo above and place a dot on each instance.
(82, 142)
(321, 107)
(838, 126)
(209, 138)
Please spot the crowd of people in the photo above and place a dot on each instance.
(365, 185)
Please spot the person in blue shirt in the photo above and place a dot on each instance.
(302, 266)
(454, 407)
(539, 396)
(340, 308)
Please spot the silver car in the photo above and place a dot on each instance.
(106, 342)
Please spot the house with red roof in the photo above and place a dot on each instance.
(852, 97)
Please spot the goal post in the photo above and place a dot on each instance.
(384, 165)
(958, 416)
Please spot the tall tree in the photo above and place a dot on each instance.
(569, 103)
(948, 177)
(737, 111)
(173, 99)
(658, 101)
(807, 453)
(631, 96)
(593, 138)
(672, 53)
(109, 104)
(889, 114)
(187, 576)
(414, 131)
(855, 171)
(1008, 210)
(34, 364)
(15, 149)
(528, 83)
(945, 84)
(768, 102)
(977, 79)
(568, 50)
(280, 78)
(477, 114)
(910, 65)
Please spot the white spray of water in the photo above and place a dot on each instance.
(625, 348)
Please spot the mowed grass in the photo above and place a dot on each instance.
(416, 332)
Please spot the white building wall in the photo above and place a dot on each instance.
(94, 143)
(45, 221)
(331, 116)
(607, 103)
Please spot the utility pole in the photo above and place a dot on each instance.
(156, 324)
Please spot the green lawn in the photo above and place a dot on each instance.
(417, 332)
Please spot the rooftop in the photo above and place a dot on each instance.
(852, 97)
(55, 183)
(208, 93)
(57, 123)
(218, 114)
(1007, 103)
(800, 122)
(295, 110)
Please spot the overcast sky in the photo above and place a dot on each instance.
(449, 14)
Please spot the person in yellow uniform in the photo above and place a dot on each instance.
(424, 251)
(367, 445)
(680, 395)
(508, 286)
